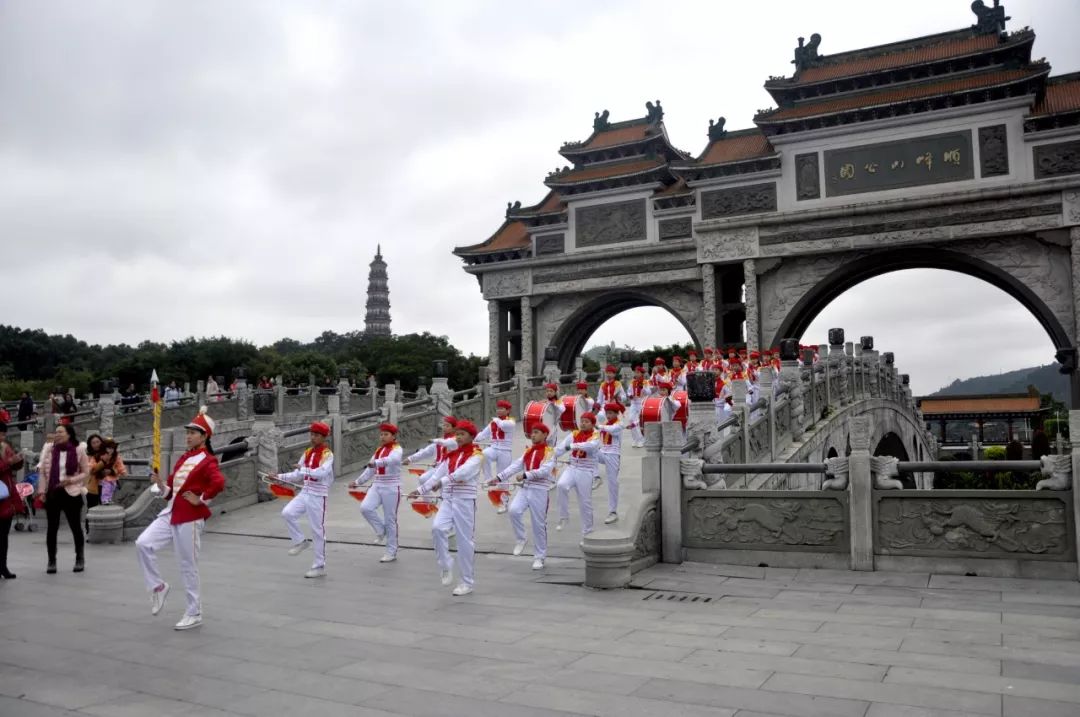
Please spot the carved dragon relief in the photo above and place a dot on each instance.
(647, 542)
(972, 525)
(746, 522)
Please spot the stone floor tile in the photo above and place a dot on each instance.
(781, 663)
(605, 705)
(956, 663)
(881, 709)
(911, 695)
(652, 638)
(749, 699)
(1019, 687)
(13, 707)
(274, 702)
(1031, 707)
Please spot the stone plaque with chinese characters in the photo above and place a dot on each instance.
(894, 165)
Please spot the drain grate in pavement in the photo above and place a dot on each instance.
(677, 597)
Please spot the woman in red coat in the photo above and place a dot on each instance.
(195, 479)
(10, 461)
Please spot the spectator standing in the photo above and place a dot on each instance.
(26, 408)
(12, 504)
(212, 389)
(172, 395)
(129, 398)
(63, 471)
(109, 469)
(94, 445)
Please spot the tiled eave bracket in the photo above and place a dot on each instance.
(694, 173)
(643, 179)
(497, 256)
(963, 98)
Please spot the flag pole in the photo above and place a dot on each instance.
(155, 399)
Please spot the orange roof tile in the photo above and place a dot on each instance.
(901, 94)
(1062, 95)
(606, 170)
(736, 147)
(973, 404)
(620, 135)
(511, 235)
(949, 47)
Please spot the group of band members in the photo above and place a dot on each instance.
(457, 464)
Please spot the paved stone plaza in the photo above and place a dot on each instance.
(388, 639)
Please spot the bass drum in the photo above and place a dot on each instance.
(537, 412)
(568, 421)
(657, 409)
(684, 407)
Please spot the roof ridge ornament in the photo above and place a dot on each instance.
(716, 129)
(600, 121)
(655, 113)
(989, 20)
(807, 55)
(512, 207)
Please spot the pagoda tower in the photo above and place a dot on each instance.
(377, 321)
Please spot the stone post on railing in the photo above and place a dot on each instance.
(791, 376)
(344, 390)
(520, 382)
(440, 388)
(650, 464)
(861, 495)
(392, 408)
(765, 383)
(671, 492)
(266, 438)
(866, 349)
(551, 368)
(870, 365)
(337, 423)
(279, 401)
(1074, 440)
(243, 399)
(890, 375)
(857, 373)
(811, 409)
(626, 371)
(373, 392)
(579, 367)
(201, 398)
(838, 375)
(849, 372)
(106, 413)
(313, 390)
(830, 387)
(485, 392)
(742, 411)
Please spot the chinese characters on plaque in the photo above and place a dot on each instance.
(894, 165)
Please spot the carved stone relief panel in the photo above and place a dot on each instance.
(735, 201)
(993, 151)
(680, 228)
(614, 223)
(1004, 525)
(762, 522)
(807, 176)
(647, 542)
(781, 290)
(728, 245)
(550, 244)
(499, 284)
(1058, 159)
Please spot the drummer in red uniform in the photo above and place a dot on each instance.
(551, 395)
(640, 389)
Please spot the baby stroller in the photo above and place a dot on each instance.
(25, 521)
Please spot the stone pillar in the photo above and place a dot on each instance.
(391, 409)
(107, 411)
(837, 371)
(671, 492)
(1074, 377)
(861, 495)
(830, 386)
(243, 400)
(650, 464)
(708, 303)
(739, 409)
(1074, 439)
(750, 300)
(495, 336)
(551, 371)
(266, 437)
(849, 372)
(528, 341)
(579, 367)
(440, 389)
(791, 375)
(521, 382)
(333, 404)
(373, 393)
(857, 373)
(485, 391)
(201, 398)
(344, 394)
(765, 383)
(279, 395)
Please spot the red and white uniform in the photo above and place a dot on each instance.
(436, 452)
(181, 523)
(640, 389)
(384, 472)
(537, 468)
(610, 392)
(583, 448)
(316, 471)
(457, 477)
(610, 457)
(559, 409)
(500, 433)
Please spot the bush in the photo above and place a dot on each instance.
(995, 453)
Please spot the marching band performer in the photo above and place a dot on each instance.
(194, 481)
(551, 395)
(583, 401)
(384, 470)
(640, 389)
(659, 370)
(537, 467)
(457, 478)
(610, 450)
(583, 445)
(500, 431)
(676, 374)
(692, 361)
(438, 449)
(316, 471)
(611, 389)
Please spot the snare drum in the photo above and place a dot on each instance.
(496, 496)
(539, 412)
(281, 489)
(358, 492)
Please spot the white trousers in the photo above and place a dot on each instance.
(314, 506)
(387, 496)
(611, 462)
(533, 498)
(459, 514)
(580, 479)
(185, 542)
(634, 419)
(501, 457)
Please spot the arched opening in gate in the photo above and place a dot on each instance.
(941, 324)
(622, 318)
(893, 445)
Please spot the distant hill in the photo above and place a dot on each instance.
(1045, 378)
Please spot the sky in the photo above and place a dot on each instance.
(203, 168)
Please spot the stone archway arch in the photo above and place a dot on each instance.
(575, 330)
(1033, 277)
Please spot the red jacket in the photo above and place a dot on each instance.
(10, 461)
(204, 480)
